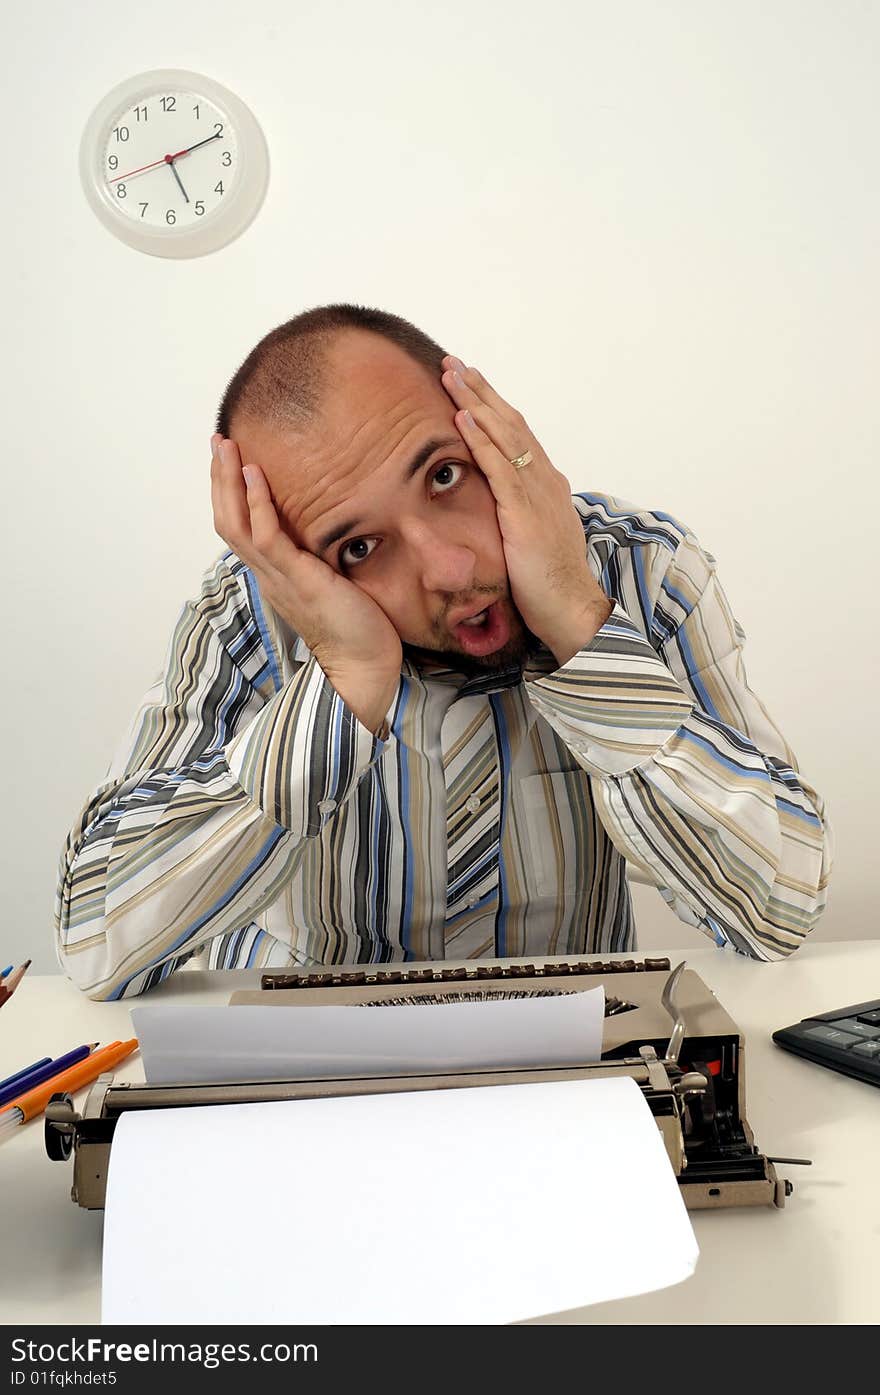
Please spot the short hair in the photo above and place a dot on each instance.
(282, 378)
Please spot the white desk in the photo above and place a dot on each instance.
(815, 1261)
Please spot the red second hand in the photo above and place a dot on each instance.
(166, 160)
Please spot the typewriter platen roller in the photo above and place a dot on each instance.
(664, 1029)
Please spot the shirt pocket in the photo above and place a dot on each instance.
(551, 852)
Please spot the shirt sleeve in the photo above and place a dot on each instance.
(226, 773)
(693, 781)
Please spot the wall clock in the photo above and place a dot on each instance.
(174, 164)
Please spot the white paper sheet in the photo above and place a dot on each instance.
(484, 1205)
(190, 1044)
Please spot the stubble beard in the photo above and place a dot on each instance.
(521, 645)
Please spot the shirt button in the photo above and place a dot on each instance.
(472, 901)
(326, 806)
(473, 803)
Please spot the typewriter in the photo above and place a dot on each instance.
(664, 1028)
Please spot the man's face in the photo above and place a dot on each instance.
(381, 486)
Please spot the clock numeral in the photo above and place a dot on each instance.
(138, 110)
(196, 110)
(120, 132)
(226, 158)
(170, 216)
(218, 187)
(143, 208)
(218, 129)
(113, 162)
(200, 208)
(120, 191)
(169, 103)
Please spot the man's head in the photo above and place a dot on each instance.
(344, 411)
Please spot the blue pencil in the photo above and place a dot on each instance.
(44, 1073)
(11, 1079)
(7, 970)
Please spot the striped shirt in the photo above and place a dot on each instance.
(249, 816)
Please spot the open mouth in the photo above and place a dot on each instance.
(483, 633)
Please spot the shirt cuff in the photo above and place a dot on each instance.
(614, 703)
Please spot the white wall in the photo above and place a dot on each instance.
(653, 225)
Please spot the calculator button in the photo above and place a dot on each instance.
(858, 1029)
(832, 1035)
(870, 1049)
(872, 1018)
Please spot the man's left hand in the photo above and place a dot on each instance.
(543, 537)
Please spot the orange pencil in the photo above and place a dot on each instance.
(83, 1073)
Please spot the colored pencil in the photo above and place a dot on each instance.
(7, 970)
(9, 985)
(47, 1072)
(15, 978)
(10, 1079)
(28, 1106)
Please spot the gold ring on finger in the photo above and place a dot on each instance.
(521, 461)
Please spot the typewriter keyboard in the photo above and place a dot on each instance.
(845, 1040)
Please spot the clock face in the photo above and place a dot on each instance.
(170, 159)
(174, 164)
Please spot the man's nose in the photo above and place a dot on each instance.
(442, 563)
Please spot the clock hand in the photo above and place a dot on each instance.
(165, 160)
(206, 141)
(173, 169)
(116, 178)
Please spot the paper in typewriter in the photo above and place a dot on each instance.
(202, 1043)
(477, 1205)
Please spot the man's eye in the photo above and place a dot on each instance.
(445, 478)
(443, 472)
(352, 552)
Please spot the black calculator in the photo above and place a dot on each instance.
(847, 1040)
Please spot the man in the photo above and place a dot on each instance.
(430, 702)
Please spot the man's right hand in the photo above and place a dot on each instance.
(350, 635)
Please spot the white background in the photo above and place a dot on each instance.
(653, 226)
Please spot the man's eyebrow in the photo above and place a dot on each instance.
(420, 458)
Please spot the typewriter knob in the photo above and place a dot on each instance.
(58, 1128)
(696, 1089)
